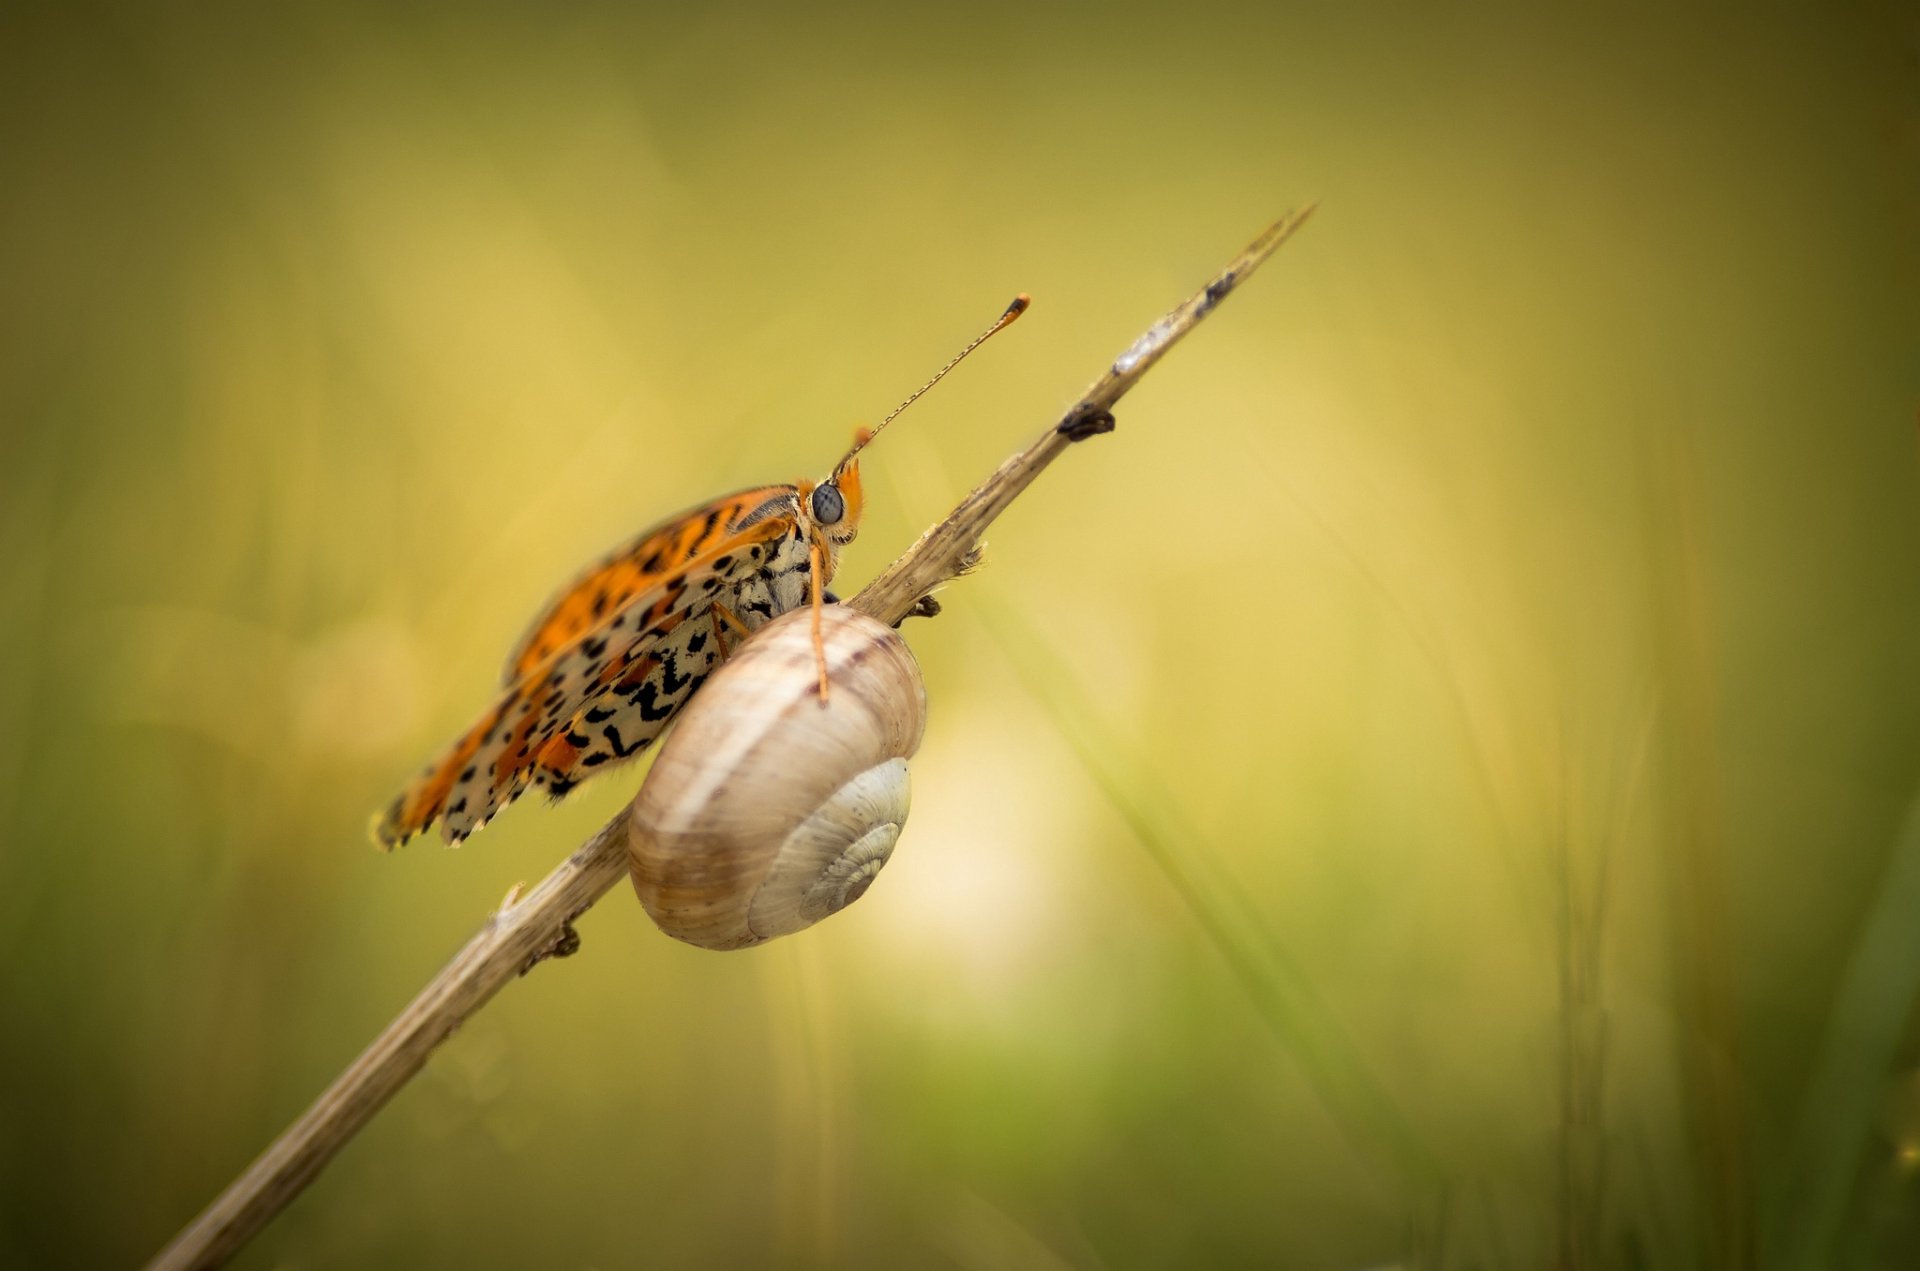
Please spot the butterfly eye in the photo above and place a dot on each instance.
(828, 506)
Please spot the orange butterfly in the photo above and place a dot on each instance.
(620, 649)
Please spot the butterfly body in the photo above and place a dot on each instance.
(617, 652)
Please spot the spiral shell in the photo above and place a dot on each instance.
(768, 809)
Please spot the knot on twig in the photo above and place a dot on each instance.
(1084, 421)
(925, 607)
(565, 943)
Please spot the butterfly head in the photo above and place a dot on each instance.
(832, 508)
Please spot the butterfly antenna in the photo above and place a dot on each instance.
(1014, 310)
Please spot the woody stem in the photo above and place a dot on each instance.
(536, 926)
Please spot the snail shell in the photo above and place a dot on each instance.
(766, 808)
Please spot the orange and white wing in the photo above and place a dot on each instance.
(650, 557)
(648, 646)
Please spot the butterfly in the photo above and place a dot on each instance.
(614, 654)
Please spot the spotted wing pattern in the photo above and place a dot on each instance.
(606, 665)
(613, 581)
(636, 694)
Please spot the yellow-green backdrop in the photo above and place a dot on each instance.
(1428, 790)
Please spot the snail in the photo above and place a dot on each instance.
(770, 807)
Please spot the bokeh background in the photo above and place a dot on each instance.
(1435, 788)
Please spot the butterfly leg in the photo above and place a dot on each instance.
(722, 618)
(818, 566)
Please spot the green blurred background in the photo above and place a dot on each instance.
(1433, 788)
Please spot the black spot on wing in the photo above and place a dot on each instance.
(646, 698)
(670, 678)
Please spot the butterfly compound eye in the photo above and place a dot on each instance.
(828, 506)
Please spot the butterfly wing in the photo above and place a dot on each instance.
(640, 657)
(629, 703)
(612, 582)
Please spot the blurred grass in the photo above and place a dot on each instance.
(1860, 1045)
(1257, 955)
(1711, 1050)
(331, 338)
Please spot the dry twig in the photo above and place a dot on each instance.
(539, 924)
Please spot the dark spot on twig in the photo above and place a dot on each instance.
(564, 945)
(925, 607)
(1218, 290)
(1084, 422)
